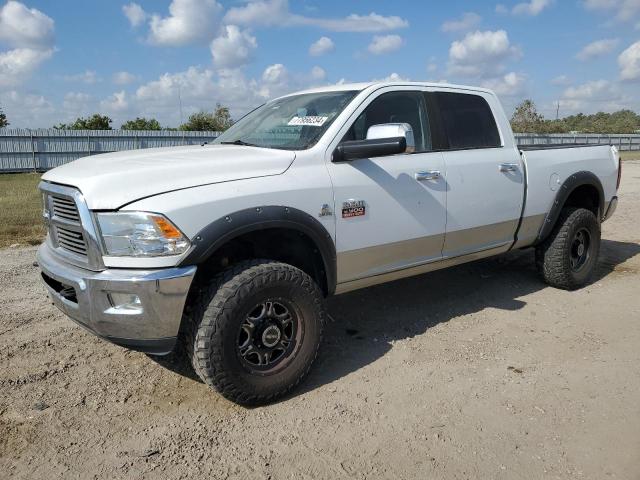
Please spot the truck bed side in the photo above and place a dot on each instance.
(548, 169)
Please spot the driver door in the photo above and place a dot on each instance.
(399, 200)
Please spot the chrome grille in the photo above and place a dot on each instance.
(72, 232)
(71, 240)
(65, 208)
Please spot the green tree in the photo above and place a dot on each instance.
(218, 121)
(141, 124)
(95, 122)
(3, 119)
(526, 118)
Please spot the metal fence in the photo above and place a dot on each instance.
(39, 150)
(623, 142)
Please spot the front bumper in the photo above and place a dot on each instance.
(84, 296)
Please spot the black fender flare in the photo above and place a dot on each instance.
(574, 181)
(235, 224)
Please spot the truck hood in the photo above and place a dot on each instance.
(111, 180)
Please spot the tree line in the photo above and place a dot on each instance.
(526, 119)
(217, 121)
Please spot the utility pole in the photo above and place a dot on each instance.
(558, 111)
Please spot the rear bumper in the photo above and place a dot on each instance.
(85, 297)
(610, 209)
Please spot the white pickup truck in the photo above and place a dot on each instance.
(227, 250)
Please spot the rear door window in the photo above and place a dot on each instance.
(467, 121)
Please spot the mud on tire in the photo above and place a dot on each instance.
(253, 331)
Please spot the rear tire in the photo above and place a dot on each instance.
(254, 330)
(567, 259)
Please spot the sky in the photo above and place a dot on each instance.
(169, 58)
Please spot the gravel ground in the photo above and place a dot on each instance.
(480, 371)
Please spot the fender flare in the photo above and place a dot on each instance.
(208, 240)
(574, 181)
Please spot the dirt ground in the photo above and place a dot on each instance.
(480, 371)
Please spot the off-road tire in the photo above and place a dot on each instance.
(215, 314)
(554, 255)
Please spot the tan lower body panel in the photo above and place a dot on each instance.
(373, 265)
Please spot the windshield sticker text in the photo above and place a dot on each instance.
(309, 121)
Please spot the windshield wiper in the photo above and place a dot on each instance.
(239, 142)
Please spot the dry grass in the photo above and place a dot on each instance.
(20, 210)
(635, 155)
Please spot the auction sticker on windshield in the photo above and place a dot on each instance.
(310, 121)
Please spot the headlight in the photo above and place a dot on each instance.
(140, 234)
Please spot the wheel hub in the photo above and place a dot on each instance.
(580, 249)
(268, 335)
(271, 336)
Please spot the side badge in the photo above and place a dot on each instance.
(325, 211)
(353, 208)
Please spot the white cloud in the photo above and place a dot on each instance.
(394, 77)
(597, 49)
(321, 46)
(25, 28)
(277, 13)
(509, 85)
(624, 10)
(468, 21)
(594, 95)
(189, 21)
(88, 76)
(531, 8)
(135, 14)
(123, 78)
(501, 9)
(18, 64)
(23, 110)
(31, 34)
(629, 62)
(75, 104)
(233, 48)
(318, 73)
(382, 44)
(561, 80)
(115, 103)
(481, 53)
(432, 67)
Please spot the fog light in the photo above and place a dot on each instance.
(125, 302)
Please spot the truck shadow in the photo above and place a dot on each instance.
(364, 324)
(367, 322)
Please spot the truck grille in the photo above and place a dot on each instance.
(72, 233)
(71, 241)
(65, 208)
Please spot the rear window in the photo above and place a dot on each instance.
(468, 121)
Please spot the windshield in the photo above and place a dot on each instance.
(291, 123)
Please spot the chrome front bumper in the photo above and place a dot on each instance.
(84, 296)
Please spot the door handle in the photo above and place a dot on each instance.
(428, 175)
(508, 167)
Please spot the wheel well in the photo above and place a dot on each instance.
(585, 196)
(282, 244)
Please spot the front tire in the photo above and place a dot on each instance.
(567, 259)
(253, 332)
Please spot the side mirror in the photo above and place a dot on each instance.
(382, 140)
(391, 130)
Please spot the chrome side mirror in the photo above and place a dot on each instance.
(393, 130)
